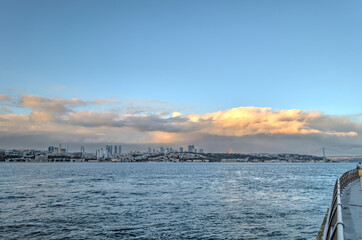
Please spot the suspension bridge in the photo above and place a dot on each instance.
(334, 154)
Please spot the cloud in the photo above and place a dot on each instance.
(57, 105)
(41, 116)
(176, 114)
(77, 120)
(4, 97)
(251, 120)
(50, 105)
(6, 110)
(101, 101)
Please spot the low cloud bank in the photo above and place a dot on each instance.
(75, 120)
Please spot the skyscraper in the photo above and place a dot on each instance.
(115, 149)
(191, 148)
(181, 149)
(119, 149)
(109, 150)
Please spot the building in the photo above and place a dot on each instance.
(181, 149)
(119, 149)
(201, 150)
(109, 151)
(115, 149)
(191, 148)
(2, 155)
(59, 149)
(41, 158)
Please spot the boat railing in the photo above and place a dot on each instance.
(334, 226)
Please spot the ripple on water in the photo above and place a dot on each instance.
(164, 200)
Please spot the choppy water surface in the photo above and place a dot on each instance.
(164, 200)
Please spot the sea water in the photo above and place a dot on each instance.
(165, 200)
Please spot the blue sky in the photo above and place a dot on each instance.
(213, 55)
(217, 74)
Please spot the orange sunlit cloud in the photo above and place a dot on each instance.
(252, 120)
(59, 116)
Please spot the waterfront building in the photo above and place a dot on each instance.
(2, 155)
(119, 149)
(191, 148)
(181, 149)
(115, 149)
(109, 150)
(102, 153)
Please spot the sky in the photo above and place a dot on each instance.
(252, 76)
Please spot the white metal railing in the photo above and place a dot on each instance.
(334, 226)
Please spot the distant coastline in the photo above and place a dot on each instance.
(46, 156)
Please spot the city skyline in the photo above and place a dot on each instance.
(245, 76)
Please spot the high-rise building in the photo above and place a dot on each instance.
(162, 150)
(119, 149)
(191, 148)
(115, 149)
(181, 149)
(82, 149)
(149, 150)
(106, 150)
(109, 150)
(201, 150)
(51, 149)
